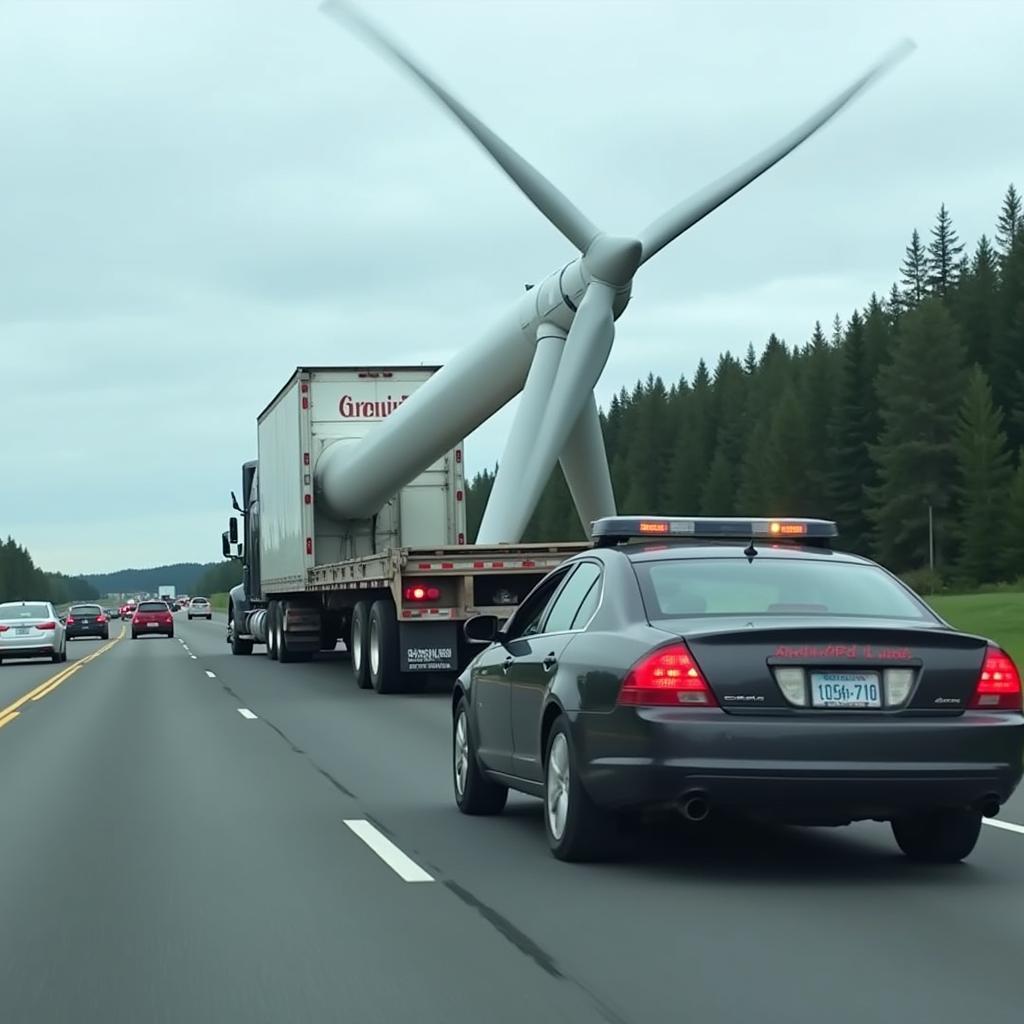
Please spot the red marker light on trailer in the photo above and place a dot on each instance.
(421, 592)
(309, 545)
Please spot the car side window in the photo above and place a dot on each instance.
(571, 598)
(589, 606)
(530, 613)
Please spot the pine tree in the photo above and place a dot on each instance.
(894, 306)
(787, 460)
(914, 271)
(817, 390)
(719, 496)
(1012, 531)
(942, 264)
(851, 433)
(1010, 222)
(983, 464)
(975, 306)
(915, 457)
(694, 446)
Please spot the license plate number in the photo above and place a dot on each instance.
(152, 625)
(845, 690)
(21, 631)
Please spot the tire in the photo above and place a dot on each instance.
(272, 631)
(170, 636)
(359, 647)
(382, 648)
(475, 793)
(135, 636)
(284, 655)
(238, 646)
(577, 829)
(938, 837)
(209, 618)
(55, 657)
(106, 636)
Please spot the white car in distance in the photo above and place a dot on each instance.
(31, 629)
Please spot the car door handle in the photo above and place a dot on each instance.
(507, 664)
(549, 662)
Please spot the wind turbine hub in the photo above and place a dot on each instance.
(613, 260)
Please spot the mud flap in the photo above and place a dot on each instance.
(428, 646)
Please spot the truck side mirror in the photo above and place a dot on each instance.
(225, 544)
(233, 529)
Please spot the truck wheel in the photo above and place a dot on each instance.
(238, 646)
(284, 655)
(272, 630)
(358, 646)
(382, 648)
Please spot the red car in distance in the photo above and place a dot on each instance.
(152, 617)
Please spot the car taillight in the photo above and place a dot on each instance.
(998, 687)
(667, 676)
(421, 592)
(99, 618)
(46, 625)
(69, 620)
(3, 629)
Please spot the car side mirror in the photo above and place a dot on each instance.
(482, 629)
(233, 529)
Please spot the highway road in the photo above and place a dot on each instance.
(191, 837)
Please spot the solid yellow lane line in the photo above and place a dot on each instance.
(10, 712)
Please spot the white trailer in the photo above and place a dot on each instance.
(165, 592)
(394, 587)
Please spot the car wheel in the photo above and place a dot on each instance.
(135, 636)
(577, 829)
(938, 837)
(64, 654)
(55, 657)
(358, 646)
(106, 636)
(475, 793)
(382, 648)
(209, 618)
(170, 636)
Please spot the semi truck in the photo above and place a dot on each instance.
(395, 586)
(165, 592)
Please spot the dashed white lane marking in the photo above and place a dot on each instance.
(192, 656)
(246, 713)
(1008, 825)
(210, 674)
(406, 869)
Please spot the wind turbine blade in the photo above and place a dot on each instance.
(584, 464)
(557, 207)
(680, 218)
(586, 351)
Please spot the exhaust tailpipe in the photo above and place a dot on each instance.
(696, 808)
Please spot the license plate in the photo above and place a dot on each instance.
(21, 631)
(846, 690)
(152, 625)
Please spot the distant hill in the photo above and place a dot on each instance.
(183, 576)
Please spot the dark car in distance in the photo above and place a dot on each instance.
(87, 620)
(696, 664)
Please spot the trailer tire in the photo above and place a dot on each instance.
(382, 648)
(359, 648)
(272, 631)
(284, 654)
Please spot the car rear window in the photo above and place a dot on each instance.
(686, 587)
(86, 609)
(200, 600)
(24, 611)
(152, 606)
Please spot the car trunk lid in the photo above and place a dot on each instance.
(845, 666)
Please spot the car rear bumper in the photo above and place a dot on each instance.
(77, 631)
(36, 651)
(813, 769)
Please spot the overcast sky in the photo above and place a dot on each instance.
(199, 196)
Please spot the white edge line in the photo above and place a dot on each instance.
(211, 674)
(408, 870)
(246, 713)
(1008, 825)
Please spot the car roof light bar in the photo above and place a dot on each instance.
(617, 529)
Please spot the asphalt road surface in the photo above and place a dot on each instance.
(191, 837)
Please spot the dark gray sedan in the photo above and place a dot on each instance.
(691, 665)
